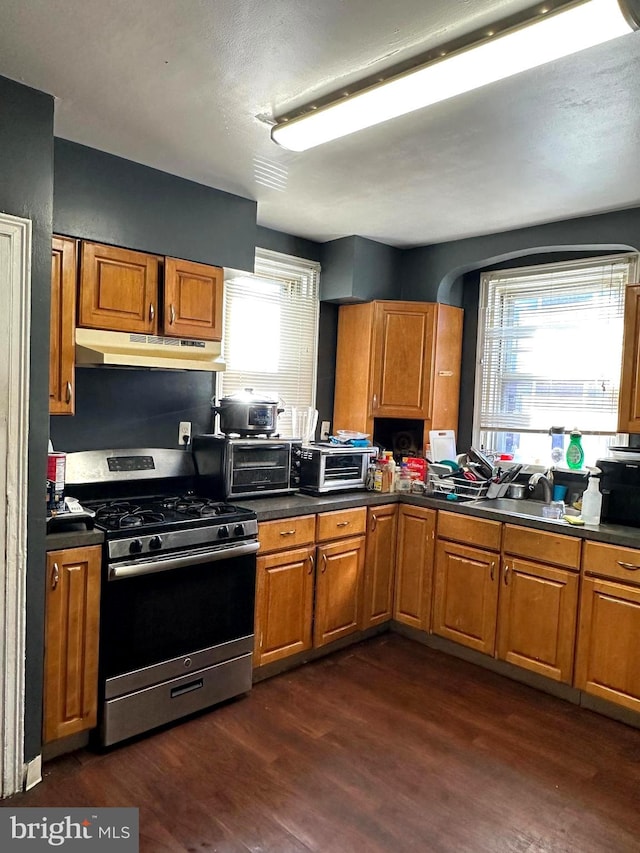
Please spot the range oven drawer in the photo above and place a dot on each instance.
(142, 710)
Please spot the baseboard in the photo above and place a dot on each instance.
(32, 772)
(294, 661)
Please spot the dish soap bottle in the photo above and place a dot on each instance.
(575, 453)
(592, 499)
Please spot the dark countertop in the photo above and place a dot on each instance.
(286, 506)
(73, 536)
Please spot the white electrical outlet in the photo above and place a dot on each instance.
(184, 433)
(324, 430)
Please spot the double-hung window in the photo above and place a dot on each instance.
(549, 354)
(271, 331)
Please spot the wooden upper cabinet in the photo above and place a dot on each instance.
(71, 641)
(118, 289)
(63, 323)
(629, 399)
(192, 300)
(398, 360)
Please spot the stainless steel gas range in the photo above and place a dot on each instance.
(178, 587)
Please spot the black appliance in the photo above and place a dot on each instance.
(620, 487)
(178, 588)
(247, 467)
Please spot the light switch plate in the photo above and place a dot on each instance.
(324, 430)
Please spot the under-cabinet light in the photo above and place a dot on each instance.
(559, 30)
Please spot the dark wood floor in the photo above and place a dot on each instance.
(386, 746)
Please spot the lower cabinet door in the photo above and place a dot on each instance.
(537, 617)
(607, 660)
(339, 575)
(379, 566)
(465, 604)
(71, 641)
(414, 567)
(284, 604)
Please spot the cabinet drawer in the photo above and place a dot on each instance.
(544, 547)
(611, 561)
(286, 533)
(471, 531)
(344, 522)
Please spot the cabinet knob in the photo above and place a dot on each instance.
(374, 522)
(493, 569)
(342, 523)
(69, 392)
(311, 564)
(152, 311)
(287, 532)
(55, 576)
(506, 575)
(172, 315)
(324, 563)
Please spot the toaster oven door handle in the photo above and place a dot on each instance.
(149, 567)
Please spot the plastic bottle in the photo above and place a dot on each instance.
(404, 479)
(575, 453)
(592, 499)
(557, 444)
(391, 469)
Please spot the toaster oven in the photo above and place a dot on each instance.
(326, 467)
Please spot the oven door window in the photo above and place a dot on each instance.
(152, 618)
(260, 468)
(345, 466)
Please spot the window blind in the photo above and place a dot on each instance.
(270, 336)
(550, 346)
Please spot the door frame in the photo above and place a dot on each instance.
(15, 325)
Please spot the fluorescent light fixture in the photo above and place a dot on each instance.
(556, 32)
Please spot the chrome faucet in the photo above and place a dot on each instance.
(546, 481)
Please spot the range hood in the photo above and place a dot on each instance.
(125, 349)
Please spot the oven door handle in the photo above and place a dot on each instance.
(132, 570)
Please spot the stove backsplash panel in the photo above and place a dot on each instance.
(121, 407)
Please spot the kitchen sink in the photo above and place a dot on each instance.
(524, 508)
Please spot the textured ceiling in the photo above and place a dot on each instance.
(186, 87)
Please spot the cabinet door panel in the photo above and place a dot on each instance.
(62, 326)
(403, 355)
(466, 595)
(71, 641)
(379, 565)
(193, 300)
(537, 618)
(284, 604)
(118, 289)
(607, 661)
(338, 589)
(414, 567)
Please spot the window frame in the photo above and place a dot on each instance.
(478, 428)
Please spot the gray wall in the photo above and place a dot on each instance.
(110, 200)
(355, 269)
(450, 272)
(26, 189)
(434, 273)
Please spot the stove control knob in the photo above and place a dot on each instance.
(223, 532)
(155, 543)
(135, 547)
(238, 530)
